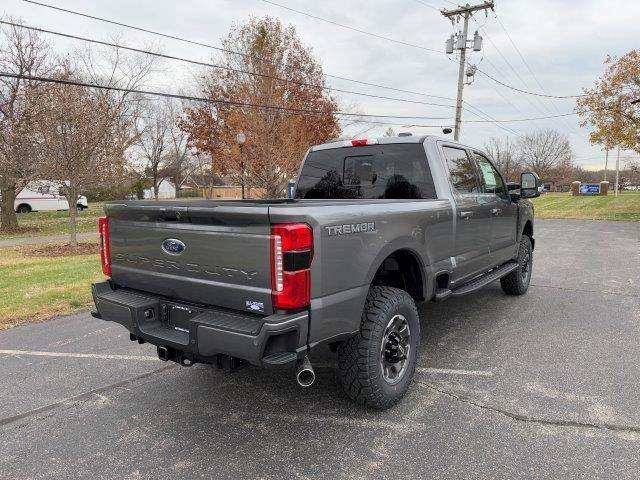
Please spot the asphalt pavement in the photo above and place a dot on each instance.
(539, 386)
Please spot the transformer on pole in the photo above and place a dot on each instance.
(459, 42)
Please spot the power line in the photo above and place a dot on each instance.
(525, 91)
(486, 116)
(234, 103)
(544, 110)
(208, 100)
(506, 61)
(401, 124)
(480, 113)
(214, 47)
(364, 32)
(427, 5)
(213, 65)
(337, 77)
(527, 119)
(519, 53)
(113, 22)
(528, 67)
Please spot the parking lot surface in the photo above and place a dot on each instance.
(539, 386)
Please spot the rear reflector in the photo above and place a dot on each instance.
(105, 254)
(359, 142)
(291, 255)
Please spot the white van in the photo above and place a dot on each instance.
(43, 196)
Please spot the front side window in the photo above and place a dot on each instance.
(463, 175)
(491, 179)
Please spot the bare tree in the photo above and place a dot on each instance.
(75, 125)
(155, 142)
(85, 131)
(22, 52)
(544, 150)
(203, 168)
(634, 169)
(505, 157)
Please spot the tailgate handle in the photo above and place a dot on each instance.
(174, 214)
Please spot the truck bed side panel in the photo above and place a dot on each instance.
(345, 259)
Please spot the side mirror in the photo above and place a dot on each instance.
(529, 183)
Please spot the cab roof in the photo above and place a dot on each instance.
(384, 141)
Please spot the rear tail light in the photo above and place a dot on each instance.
(291, 254)
(105, 254)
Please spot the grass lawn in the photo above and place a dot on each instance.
(563, 205)
(56, 223)
(35, 288)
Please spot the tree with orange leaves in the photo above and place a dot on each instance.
(608, 107)
(267, 64)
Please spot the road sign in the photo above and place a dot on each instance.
(590, 189)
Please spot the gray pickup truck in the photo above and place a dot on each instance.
(375, 227)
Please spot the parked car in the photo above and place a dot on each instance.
(375, 227)
(41, 196)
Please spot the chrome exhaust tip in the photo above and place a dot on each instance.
(304, 373)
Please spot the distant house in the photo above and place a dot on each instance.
(214, 186)
(166, 190)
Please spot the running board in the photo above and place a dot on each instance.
(477, 283)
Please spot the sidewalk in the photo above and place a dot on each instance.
(18, 242)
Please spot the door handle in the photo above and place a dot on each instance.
(496, 211)
(466, 215)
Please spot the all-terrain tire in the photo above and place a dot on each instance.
(517, 282)
(360, 357)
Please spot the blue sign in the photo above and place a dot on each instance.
(291, 186)
(589, 189)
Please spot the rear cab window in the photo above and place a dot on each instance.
(387, 171)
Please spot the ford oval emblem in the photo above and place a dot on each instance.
(173, 246)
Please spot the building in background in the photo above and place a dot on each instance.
(166, 190)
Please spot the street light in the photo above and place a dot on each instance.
(241, 138)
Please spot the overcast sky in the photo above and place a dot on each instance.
(563, 42)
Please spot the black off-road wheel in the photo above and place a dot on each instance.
(517, 282)
(377, 364)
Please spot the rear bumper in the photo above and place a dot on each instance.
(204, 333)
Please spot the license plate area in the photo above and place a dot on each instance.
(177, 317)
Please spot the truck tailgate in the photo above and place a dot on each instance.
(213, 253)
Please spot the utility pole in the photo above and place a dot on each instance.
(606, 163)
(617, 170)
(461, 44)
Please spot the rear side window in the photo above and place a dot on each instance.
(393, 171)
(463, 175)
